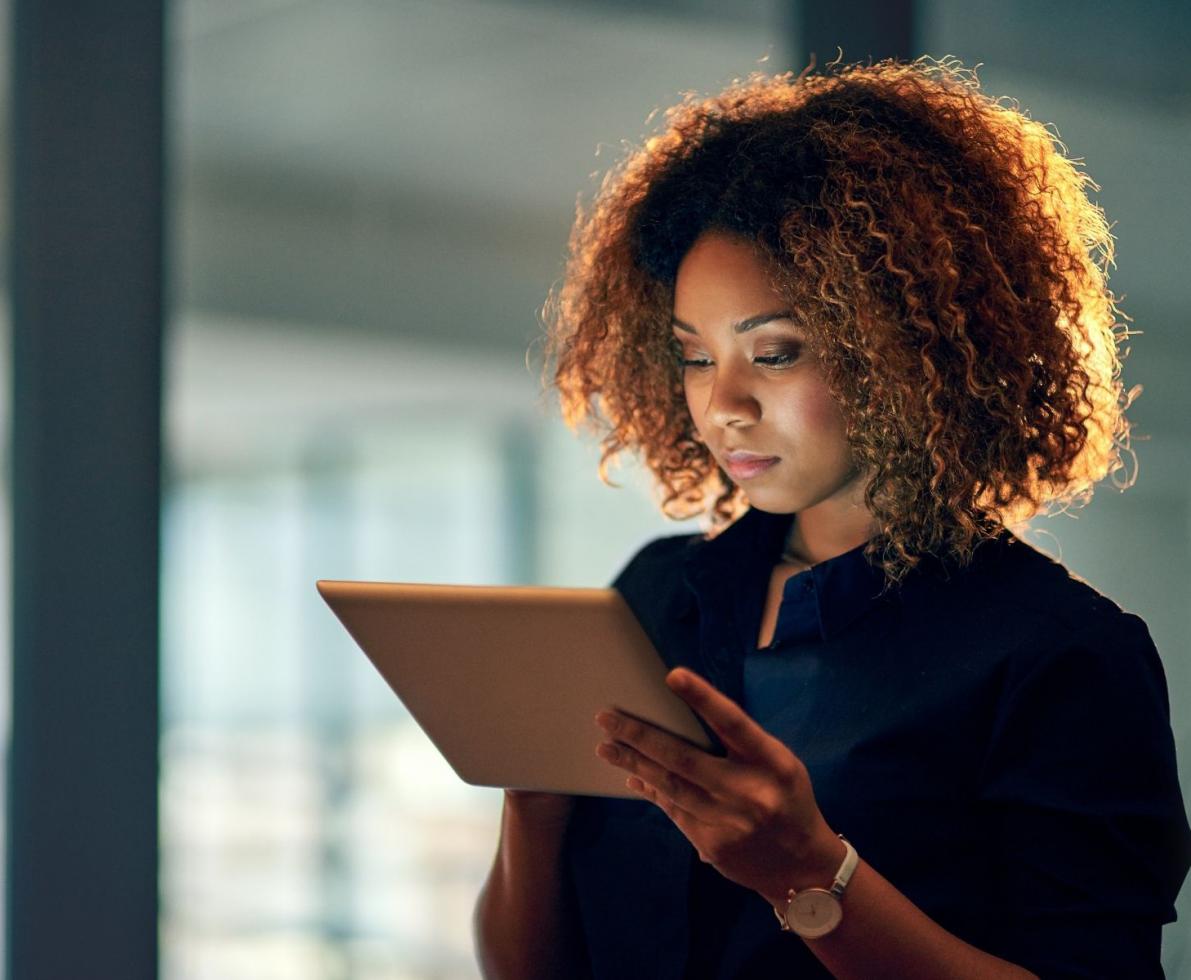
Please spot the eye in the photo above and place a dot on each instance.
(683, 361)
(779, 359)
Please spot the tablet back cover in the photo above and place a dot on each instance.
(506, 681)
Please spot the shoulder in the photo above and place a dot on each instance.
(1010, 588)
(1083, 626)
(652, 581)
(661, 556)
(1061, 644)
(1039, 586)
(1037, 632)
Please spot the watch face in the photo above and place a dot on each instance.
(814, 912)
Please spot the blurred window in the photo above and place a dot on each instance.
(308, 828)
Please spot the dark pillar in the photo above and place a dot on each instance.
(86, 294)
(865, 29)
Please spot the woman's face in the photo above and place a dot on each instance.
(753, 385)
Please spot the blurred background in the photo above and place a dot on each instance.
(366, 203)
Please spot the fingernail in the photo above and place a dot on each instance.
(607, 721)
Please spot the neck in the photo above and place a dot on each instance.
(828, 529)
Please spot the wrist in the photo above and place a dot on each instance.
(815, 911)
(532, 835)
(815, 868)
(540, 811)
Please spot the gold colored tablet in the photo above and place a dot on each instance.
(506, 680)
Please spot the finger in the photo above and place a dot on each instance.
(694, 799)
(684, 820)
(740, 734)
(650, 792)
(669, 751)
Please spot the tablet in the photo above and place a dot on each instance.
(506, 680)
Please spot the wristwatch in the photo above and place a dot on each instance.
(814, 912)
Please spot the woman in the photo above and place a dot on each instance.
(861, 319)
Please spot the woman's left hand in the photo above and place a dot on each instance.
(751, 814)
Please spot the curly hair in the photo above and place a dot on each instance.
(940, 250)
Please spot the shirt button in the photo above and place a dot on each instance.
(808, 584)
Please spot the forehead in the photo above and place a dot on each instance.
(723, 277)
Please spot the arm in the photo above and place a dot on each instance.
(1079, 789)
(753, 816)
(525, 922)
(883, 934)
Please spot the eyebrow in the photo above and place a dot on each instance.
(750, 323)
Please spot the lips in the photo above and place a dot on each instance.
(743, 465)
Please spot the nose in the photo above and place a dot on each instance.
(731, 400)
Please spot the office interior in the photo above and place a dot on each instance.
(273, 278)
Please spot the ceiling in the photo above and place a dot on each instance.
(403, 173)
(409, 169)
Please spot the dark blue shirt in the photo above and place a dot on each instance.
(993, 738)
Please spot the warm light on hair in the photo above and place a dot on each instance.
(941, 251)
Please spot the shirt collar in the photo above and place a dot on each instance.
(847, 587)
(738, 562)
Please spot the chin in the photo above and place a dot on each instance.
(774, 501)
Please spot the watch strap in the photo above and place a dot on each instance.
(846, 868)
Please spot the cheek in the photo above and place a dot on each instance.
(824, 413)
(814, 413)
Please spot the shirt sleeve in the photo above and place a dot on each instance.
(1081, 796)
